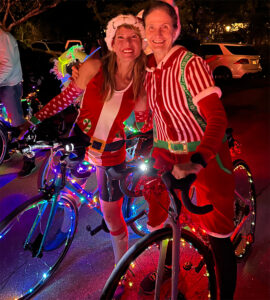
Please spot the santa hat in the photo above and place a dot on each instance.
(122, 20)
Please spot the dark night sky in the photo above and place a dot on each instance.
(69, 20)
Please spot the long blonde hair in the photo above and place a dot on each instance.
(109, 67)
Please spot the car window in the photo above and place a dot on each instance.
(39, 46)
(210, 50)
(56, 47)
(242, 50)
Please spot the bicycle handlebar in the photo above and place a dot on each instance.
(121, 176)
(170, 182)
(184, 185)
(68, 145)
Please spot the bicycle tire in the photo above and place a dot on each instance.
(22, 274)
(134, 207)
(3, 143)
(46, 173)
(196, 271)
(244, 206)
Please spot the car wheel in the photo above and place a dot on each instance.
(222, 73)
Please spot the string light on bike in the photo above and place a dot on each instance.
(69, 147)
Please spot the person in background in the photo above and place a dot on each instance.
(11, 89)
(189, 129)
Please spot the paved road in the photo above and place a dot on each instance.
(90, 259)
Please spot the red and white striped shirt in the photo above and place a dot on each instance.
(174, 88)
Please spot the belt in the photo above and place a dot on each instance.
(177, 147)
(100, 146)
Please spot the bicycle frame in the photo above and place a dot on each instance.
(63, 185)
(56, 192)
(174, 223)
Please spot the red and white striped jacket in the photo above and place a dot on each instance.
(176, 89)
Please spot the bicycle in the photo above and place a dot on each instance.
(40, 231)
(197, 278)
(137, 150)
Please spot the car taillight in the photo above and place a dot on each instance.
(242, 61)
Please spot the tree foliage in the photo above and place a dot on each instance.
(104, 10)
(15, 12)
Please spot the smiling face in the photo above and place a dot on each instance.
(127, 43)
(160, 32)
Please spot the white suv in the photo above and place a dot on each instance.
(230, 60)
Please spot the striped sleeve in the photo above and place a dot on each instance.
(199, 79)
(60, 102)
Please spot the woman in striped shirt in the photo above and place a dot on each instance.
(189, 128)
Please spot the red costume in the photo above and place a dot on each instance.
(101, 120)
(188, 117)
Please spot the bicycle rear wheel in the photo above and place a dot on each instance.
(22, 272)
(196, 279)
(244, 209)
(3, 143)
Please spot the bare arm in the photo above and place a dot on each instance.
(86, 72)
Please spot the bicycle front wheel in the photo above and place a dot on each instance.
(196, 278)
(23, 270)
(134, 207)
(244, 209)
(49, 169)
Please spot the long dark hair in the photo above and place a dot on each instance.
(161, 5)
(109, 67)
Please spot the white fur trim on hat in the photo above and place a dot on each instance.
(121, 20)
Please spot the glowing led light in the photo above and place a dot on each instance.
(73, 180)
(143, 167)
(132, 265)
(31, 290)
(133, 207)
(139, 227)
(130, 284)
(45, 275)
